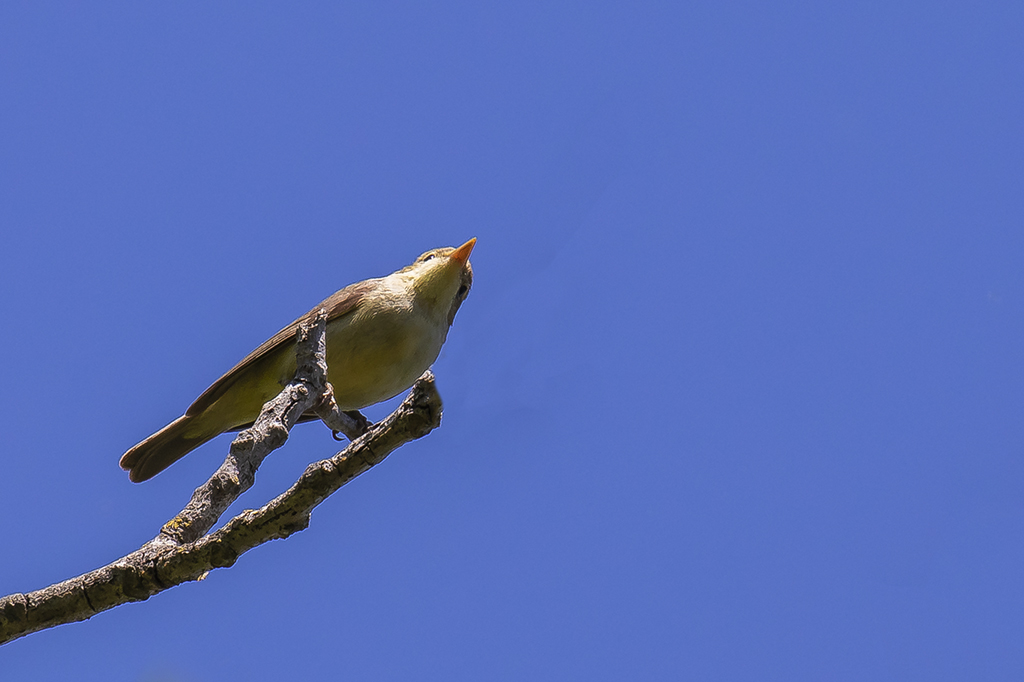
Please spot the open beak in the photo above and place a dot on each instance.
(461, 254)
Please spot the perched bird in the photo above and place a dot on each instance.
(382, 334)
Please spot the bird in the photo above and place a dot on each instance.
(382, 334)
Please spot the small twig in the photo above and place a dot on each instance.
(181, 552)
(351, 423)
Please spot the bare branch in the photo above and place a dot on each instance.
(238, 472)
(183, 551)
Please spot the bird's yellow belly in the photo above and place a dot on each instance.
(376, 355)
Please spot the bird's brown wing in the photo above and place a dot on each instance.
(338, 304)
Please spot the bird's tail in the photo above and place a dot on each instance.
(164, 448)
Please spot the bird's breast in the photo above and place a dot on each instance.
(378, 351)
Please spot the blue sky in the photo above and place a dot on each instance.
(737, 394)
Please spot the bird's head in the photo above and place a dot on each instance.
(442, 278)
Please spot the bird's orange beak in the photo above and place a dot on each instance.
(461, 254)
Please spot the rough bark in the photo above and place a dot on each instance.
(184, 550)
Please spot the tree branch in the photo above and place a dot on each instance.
(183, 550)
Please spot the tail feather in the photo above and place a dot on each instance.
(164, 448)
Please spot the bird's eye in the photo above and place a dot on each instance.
(429, 256)
(462, 290)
